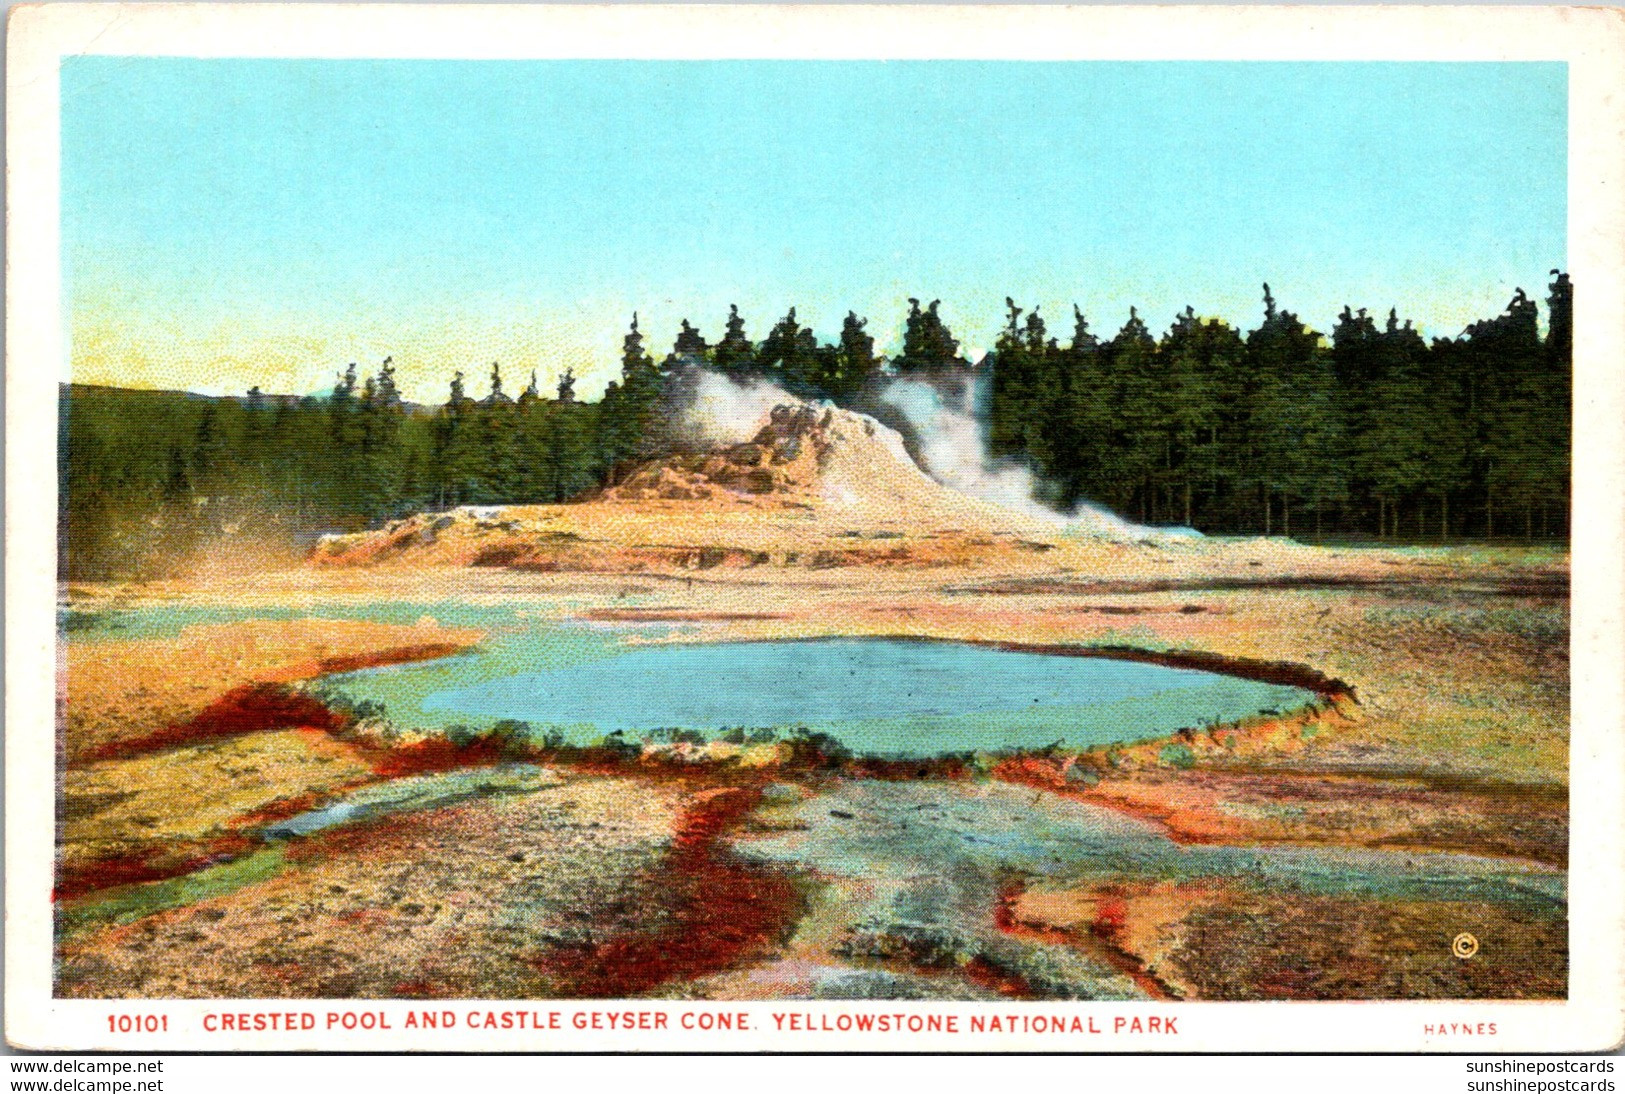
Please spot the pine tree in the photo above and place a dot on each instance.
(928, 346)
(1136, 395)
(1010, 398)
(1199, 363)
(690, 348)
(735, 356)
(496, 395)
(1047, 388)
(1524, 456)
(1289, 376)
(628, 408)
(453, 462)
(853, 365)
(388, 394)
(493, 466)
(1560, 320)
(379, 486)
(789, 356)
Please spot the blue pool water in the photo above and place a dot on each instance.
(879, 697)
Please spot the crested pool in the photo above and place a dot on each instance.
(879, 697)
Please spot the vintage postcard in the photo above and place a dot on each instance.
(820, 529)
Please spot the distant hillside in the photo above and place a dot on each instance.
(135, 397)
(154, 483)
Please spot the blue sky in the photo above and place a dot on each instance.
(228, 222)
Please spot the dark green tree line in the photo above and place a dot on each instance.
(1278, 430)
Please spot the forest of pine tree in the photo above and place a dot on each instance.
(1369, 430)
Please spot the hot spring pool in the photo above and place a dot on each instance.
(890, 698)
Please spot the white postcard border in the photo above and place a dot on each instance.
(1590, 41)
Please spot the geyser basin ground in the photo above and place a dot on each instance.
(485, 882)
(887, 698)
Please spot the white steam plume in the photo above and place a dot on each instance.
(713, 411)
(949, 436)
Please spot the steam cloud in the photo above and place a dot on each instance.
(713, 411)
(950, 439)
